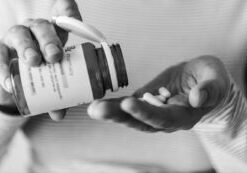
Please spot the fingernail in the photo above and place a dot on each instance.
(90, 109)
(8, 85)
(53, 53)
(31, 55)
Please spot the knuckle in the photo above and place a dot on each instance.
(49, 39)
(46, 39)
(39, 23)
(24, 42)
(18, 29)
(45, 32)
(18, 36)
(20, 44)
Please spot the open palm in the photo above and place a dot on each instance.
(196, 87)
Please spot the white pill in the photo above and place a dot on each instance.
(164, 92)
(161, 98)
(151, 99)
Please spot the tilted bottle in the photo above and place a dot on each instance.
(84, 74)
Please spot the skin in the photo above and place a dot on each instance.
(196, 87)
(36, 40)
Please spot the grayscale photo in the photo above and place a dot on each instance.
(123, 86)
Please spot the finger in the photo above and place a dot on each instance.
(206, 94)
(48, 40)
(19, 38)
(154, 116)
(58, 114)
(5, 80)
(66, 8)
(167, 118)
(180, 100)
(163, 80)
(151, 99)
(110, 110)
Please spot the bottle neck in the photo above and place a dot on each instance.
(119, 66)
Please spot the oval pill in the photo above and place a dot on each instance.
(164, 92)
(151, 99)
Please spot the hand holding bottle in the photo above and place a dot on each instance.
(35, 41)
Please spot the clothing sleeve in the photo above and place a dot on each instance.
(10, 12)
(9, 125)
(223, 132)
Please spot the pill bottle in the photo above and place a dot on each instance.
(85, 73)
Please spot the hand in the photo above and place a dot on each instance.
(196, 87)
(34, 41)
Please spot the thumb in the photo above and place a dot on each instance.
(206, 94)
(66, 8)
(58, 114)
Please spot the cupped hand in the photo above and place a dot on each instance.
(196, 87)
(35, 41)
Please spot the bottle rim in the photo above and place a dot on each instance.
(120, 65)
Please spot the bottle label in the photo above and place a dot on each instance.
(57, 86)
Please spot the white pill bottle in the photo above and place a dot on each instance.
(84, 74)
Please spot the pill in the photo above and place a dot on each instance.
(161, 98)
(164, 92)
(151, 99)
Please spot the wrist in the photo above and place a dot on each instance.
(231, 111)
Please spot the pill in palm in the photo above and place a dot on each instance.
(164, 92)
(161, 98)
(151, 99)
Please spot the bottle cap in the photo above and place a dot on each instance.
(79, 28)
(89, 32)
